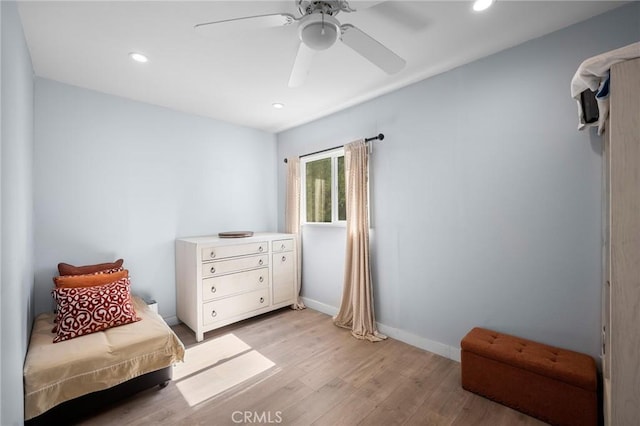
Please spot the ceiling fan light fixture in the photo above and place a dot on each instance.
(319, 31)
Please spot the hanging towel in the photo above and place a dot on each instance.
(593, 74)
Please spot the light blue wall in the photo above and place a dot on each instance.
(117, 178)
(485, 198)
(16, 228)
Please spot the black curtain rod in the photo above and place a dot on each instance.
(373, 138)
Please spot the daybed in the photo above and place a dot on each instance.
(113, 362)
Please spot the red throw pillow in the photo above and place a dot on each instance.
(66, 269)
(85, 310)
(86, 280)
(89, 280)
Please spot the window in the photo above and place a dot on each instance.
(323, 196)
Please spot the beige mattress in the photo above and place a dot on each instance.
(57, 372)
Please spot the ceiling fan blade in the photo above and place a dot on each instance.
(371, 49)
(364, 4)
(301, 66)
(248, 23)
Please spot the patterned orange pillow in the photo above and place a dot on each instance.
(86, 310)
(66, 269)
(89, 280)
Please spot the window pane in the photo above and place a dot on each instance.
(318, 182)
(342, 198)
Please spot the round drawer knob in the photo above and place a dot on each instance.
(212, 254)
(260, 249)
(262, 300)
(213, 289)
(284, 259)
(214, 314)
(282, 247)
(261, 279)
(260, 262)
(213, 270)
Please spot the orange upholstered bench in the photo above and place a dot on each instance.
(555, 385)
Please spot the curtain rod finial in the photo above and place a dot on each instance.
(380, 136)
(285, 161)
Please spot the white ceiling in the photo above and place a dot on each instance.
(236, 77)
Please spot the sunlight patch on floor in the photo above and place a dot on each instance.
(212, 367)
(208, 354)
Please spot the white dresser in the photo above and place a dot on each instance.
(224, 280)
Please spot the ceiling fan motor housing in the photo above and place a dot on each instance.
(329, 7)
(319, 31)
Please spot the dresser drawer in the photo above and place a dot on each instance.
(221, 252)
(222, 267)
(282, 245)
(240, 282)
(221, 309)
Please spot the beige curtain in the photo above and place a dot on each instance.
(292, 220)
(356, 308)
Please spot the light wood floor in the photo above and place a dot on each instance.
(322, 376)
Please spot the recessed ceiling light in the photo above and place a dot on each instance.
(277, 105)
(138, 57)
(480, 5)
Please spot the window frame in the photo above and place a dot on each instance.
(333, 154)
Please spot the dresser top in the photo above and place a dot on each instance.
(258, 236)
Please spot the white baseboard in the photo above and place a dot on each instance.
(320, 307)
(441, 349)
(172, 320)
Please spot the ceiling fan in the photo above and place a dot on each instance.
(318, 29)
